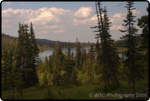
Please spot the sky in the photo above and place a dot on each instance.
(66, 21)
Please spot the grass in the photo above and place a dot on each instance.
(77, 92)
(74, 92)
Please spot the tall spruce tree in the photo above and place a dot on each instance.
(25, 62)
(69, 50)
(46, 66)
(144, 24)
(19, 60)
(50, 63)
(131, 52)
(78, 54)
(69, 66)
(108, 59)
(58, 63)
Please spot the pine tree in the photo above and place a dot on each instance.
(50, 64)
(92, 52)
(46, 66)
(19, 58)
(78, 54)
(69, 50)
(72, 55)
(143, 23)
(74, 77)
(96, 51)
(58, 63)
(5, 71)
(131, 52)
(82, 57)
(69, 66)
(25, 58)
(45, 80)
(33, 78)
(107, 57)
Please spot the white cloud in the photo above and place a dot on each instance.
(44, 32)
(94, 17)
(83, 12)
(4, 26)
(51, 26)
(116, 27)
(118, 18)
(118, 15)
(137, 13)
(42, 19)
(59, 31)
(8, 3)
(54, 20)
(41, 37)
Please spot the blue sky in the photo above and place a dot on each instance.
(65, 21)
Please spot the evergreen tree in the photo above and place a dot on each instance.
(131, 52)
(108, 59)
(50, 64)
(46, 66)
(40, 66)
(78, 54)
(45, 80)
(7, 71)
(82, 57)
(69, 50)
(72, 55)
(58, 63)
(34, 58)
(19, 58)
(143, 23)
(25, 62)
(69, 66)
(74, 77)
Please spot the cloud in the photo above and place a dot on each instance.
(137, 13)
(41, 37)
(83, 12)
(4, 26)
(59, 31)
(51, 26)
(120, 5)
(44, 32)
(55, 21)
(116, 27)
(8, 3)
(118, 18)
(49, 19)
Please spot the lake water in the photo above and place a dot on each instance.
(50, 51)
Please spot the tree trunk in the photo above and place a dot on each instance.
(49, 79)
(106, 79)
(133, 80)
(128, 80)
(116, 80)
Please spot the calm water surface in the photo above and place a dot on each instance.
(50, 51)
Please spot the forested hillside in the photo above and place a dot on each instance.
(43, 44)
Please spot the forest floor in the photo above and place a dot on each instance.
(95, 90)
(86, 90)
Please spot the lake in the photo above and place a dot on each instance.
(50, 51)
